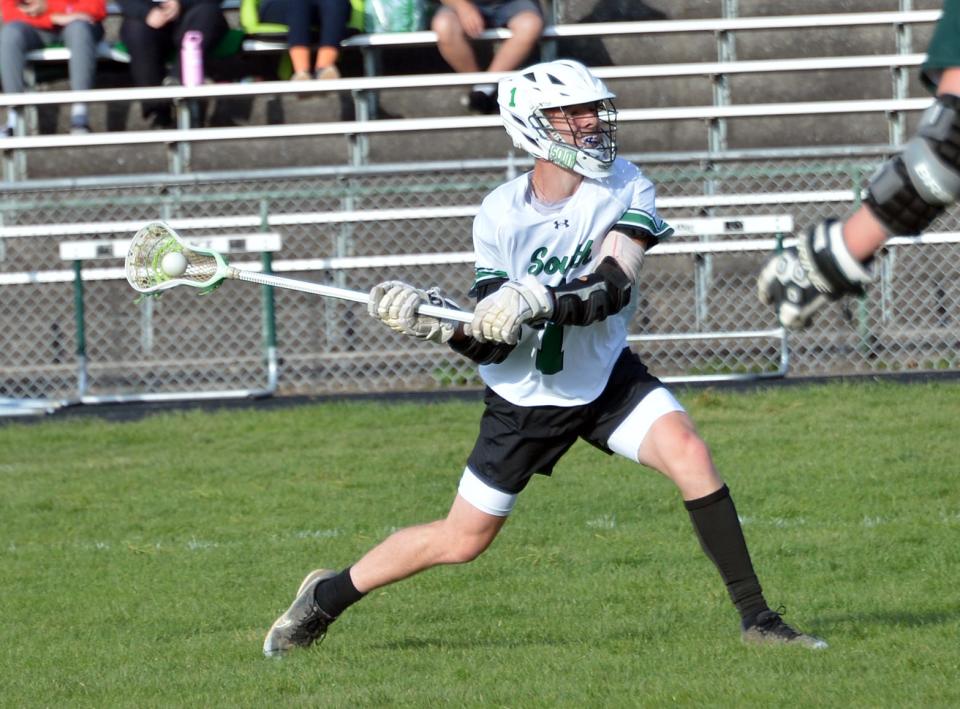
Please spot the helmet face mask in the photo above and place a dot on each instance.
(558, 111)
(595, 146)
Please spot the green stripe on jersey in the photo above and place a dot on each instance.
(640, 220)
(484, 274)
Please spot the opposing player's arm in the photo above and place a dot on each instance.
(906, 194)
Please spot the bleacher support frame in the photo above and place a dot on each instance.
(714, 116)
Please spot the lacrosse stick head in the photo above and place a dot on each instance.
(205, 268)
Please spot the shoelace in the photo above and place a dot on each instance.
(774, 624)
(313, 626)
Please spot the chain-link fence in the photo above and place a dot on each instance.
(183, 342)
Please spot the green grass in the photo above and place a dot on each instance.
(142, 562)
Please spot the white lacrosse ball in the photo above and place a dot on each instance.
(174, 264)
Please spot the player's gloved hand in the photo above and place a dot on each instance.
(820, 265)
(784, 284)
(499, 316)
(396, 303)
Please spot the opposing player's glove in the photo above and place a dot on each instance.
(783, 283)
(831, 268)
(396, 303)
(499, 316)
(800, 281)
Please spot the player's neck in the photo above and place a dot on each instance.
(552, 183)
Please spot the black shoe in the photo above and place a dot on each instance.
(161, 119)
(481, 102)
(304, 621)
(768, 628)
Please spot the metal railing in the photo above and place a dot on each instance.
(714, 116)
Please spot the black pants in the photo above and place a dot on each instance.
(150, 49)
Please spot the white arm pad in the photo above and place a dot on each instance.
(627, 252)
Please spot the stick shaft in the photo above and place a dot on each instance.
(356, 296)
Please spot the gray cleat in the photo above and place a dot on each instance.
(769, 629)
(303, 623)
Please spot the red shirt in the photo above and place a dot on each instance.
(10, 10)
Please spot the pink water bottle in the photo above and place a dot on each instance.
(191, 58)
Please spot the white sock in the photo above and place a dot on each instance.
(488, 89)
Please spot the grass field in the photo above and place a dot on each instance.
(142, 562)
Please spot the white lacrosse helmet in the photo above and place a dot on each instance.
(564, 82)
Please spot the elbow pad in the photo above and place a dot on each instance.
(591, 299)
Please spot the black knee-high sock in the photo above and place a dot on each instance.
(715, 521)
(336, 594)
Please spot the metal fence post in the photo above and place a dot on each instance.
(79, 320)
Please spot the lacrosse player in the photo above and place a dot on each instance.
(833, 259)
(559, 252)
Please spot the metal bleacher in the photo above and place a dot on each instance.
(352, 213)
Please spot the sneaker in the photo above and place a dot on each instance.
(301, 76)
(481, 102)
(303, 623)
(769, 629)
(328, 73)
(79, 128)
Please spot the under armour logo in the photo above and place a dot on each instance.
(556, 224)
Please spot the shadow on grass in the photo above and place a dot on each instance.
(891, 618)
(502, 641)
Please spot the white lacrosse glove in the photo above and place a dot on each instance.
(499, 316)
(785, 284)
(395, 303)
(627, 252)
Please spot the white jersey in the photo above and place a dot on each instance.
(560, 365)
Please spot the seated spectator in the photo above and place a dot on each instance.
(32, 24)
(459, 20)
(301, 18)
(153, 32)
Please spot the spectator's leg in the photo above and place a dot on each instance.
(452, 42)
(206, 18)
(149, 49)
(81, 38)
(334, 15)
(16, 39)
(526, 28)
(300, 17)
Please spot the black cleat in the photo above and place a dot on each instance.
(769, 629)
(304, 621)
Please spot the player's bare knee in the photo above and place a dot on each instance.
(689, 456)
(447, 26)
(464, 549)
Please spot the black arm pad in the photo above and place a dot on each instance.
(483, 352)
(586, 300)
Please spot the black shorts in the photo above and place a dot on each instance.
(515, 442)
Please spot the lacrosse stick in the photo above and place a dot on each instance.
(158, 259)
